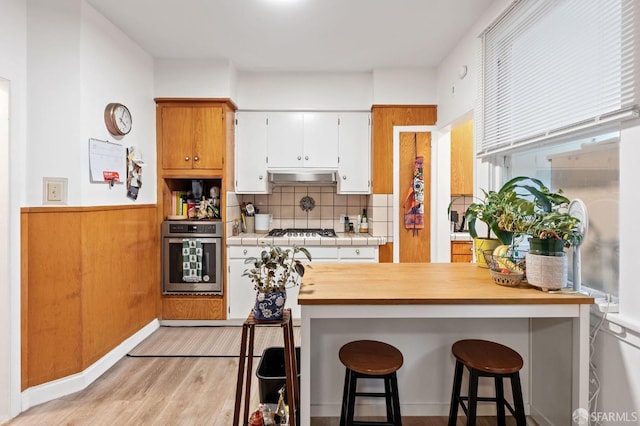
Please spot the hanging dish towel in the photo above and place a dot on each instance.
(191, 260)
(414, 202)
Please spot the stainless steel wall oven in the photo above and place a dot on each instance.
(192, 257)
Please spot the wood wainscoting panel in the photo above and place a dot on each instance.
(89, 281)
(51, 310)
(384, 118)
(121, 279)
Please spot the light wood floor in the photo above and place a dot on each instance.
(166, 391)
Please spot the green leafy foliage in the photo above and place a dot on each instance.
(276, 269)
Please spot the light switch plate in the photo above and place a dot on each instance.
(54, 190)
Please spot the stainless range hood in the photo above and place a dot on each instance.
(302, 178)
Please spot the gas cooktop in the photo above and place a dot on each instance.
(302, 233)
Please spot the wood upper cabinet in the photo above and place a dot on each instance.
(462, 159)
(192, 135)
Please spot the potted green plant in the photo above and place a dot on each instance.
(272, 273)
(503, 211)
(551, 229)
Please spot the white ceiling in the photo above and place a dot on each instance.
(297, 35)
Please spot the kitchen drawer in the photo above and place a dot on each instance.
(242, 252)
(358, 253)
(461, 251)
(317, 253)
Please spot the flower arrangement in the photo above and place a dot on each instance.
(276, 269)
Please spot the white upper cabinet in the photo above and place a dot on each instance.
(251, 153)
(302, 140)
(321, 140)
(354, 167)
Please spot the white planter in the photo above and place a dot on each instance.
(547, 272)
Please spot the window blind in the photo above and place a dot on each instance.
(554, 67)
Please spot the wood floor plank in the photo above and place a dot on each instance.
(168, 391)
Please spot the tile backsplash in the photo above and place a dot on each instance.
(460, 205)
(284, 204)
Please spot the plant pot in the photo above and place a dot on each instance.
(269, 306)
(482, 244)
(547, 247)
(547, 272)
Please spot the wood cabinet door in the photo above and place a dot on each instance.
(192, 137)
(462, 159)
(208, 137)
(176, 137)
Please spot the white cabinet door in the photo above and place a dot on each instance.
(285, 140)
(354, 141)
(251, 153)
(240, 293)
(321, 140)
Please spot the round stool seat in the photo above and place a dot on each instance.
(371, 357)
(488, 357)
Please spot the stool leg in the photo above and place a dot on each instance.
(500, 401)
(240, 381)
(248, 372)
(455, 394)
(351, 403)
(345, 398)
(473, 398)
(387, 398)
(516, 389)
(397, 418)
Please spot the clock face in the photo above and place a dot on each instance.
(117, 119)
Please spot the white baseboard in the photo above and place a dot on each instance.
(76, 382)
(407, 409)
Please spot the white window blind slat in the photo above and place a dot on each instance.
(551, 65)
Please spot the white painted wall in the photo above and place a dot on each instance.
(114, 69)
(184, 78)
(457, 97)
(78, 63)
(415, 86)
(304, 91)
(13, 141)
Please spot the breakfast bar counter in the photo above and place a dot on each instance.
(372, 297)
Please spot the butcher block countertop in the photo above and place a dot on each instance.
(417, 284)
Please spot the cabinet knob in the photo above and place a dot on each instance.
(244, 251)
(306, 157)
(299, 157)
(196, 158)
(344, 177)
(260, 177)
(358, 251)
(187, 158)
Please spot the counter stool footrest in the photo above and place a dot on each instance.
(365, 423)
(372, 394)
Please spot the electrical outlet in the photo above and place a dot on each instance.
(54, 190)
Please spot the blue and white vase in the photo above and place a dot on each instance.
(269, 306)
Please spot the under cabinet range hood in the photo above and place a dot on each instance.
(302, 178)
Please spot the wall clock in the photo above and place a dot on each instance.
(117, 118)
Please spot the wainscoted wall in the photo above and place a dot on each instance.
(284, 204)
(89, 281)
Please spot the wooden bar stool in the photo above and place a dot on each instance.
(486, 359)
(371, 360)
(246, 358)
